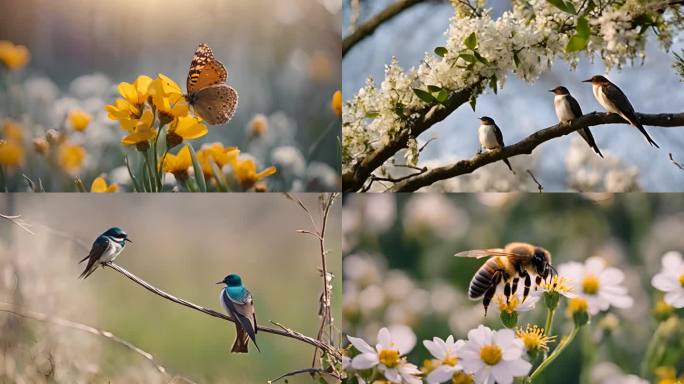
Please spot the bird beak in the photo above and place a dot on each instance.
(552, 90)
(220, 282)
(129, 240)
(586, 81)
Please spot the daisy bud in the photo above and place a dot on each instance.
(578, 310)
(509, 319)
(662, 310)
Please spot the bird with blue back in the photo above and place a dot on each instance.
(105, 249)
(237, 301)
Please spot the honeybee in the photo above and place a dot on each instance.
(508, 265)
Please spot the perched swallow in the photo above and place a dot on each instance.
(614, 100)
(568, 109)
(491, 137)
(237, 301)
(105, 249)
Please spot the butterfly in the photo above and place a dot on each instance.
(212, 99)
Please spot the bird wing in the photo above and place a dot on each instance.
(574, 106)
(618, 98)
(499, 135)
(99, 247)
(241, 312)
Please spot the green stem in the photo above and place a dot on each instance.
(549, 322)
(556, 352)
(148, 172)
(588, 355)
(653, 345)
(3, 179)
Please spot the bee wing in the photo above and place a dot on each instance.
(480, 253)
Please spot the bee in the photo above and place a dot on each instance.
(508, 265)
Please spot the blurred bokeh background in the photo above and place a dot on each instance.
(399, 267)
(283, 58)
(521, 108)
(183, 247)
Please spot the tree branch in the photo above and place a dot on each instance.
(11, 309)
(354, 179)
(367, 28)
(285, 332)
(311, 371)
(528, 144)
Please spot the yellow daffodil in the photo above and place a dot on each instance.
(99, 185)
(178, 164)
(70, 157)
(185, 128)
(142, 132)
(258, 126)
(14, 57)
(79, 120)
(12, 131)
(336, 103)
(168, 98)
(11, 154)
(41, 146)
(246, 174)
(219, 154)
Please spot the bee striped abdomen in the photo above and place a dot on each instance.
(483, 279)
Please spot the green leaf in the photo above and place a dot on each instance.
(441, 51)
(399, 109)
(480, 58)
(580, 39)
(424, 95)
(219, 176)
(79, 185)
(468, 57)
(442, 96)
(372, 115)
(199, 175)
(493, 84)
(136, 184)
(471, 41)
(562, 5)
(434, 88)
(583, 27)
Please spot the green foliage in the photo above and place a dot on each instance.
(581, 37)
(564, 6)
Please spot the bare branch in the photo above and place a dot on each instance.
(539, 186)
(366, 29)
(678, 165)
(289, 333)
(11, 309)
(311, 371)
(17, 220)
(528, 144)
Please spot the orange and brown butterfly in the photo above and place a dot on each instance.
(213, 100)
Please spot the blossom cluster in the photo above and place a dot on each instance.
(480, 51)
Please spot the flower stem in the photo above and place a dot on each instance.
(549, 322)
(556, 352)
(653, 344)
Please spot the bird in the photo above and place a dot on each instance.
(614, 100)
(237, 301)
(568, 109)
(105, 249)
(491, 137)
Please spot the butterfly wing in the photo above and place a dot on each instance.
(216, 104)
(205, 70)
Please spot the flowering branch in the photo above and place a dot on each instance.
(527, 145)
(10, 308)
(366, 29)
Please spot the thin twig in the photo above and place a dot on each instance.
(16, 220)
(11, 309)
(539, 186)
(679, 165)
(311, 371)
(289, 333)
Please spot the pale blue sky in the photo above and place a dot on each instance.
(522, 108)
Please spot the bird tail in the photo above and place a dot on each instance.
(88, 271)
(633, 120)
(241, 344)
(509, 165)
(589, 138)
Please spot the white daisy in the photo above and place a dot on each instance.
(447, 353)
(597, 284)
(494, 356)
(388, 355)
(515, 302)
(671, 279)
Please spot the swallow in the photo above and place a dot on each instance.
(105, 249)
(237, 301)
(568, 109)
(491, 137)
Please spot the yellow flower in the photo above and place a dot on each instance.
(168, 98)
(185, 128)
(246, 174)
(258, 126)
(70, 157)
(219, 154)
(13, 56)
(79, 120)
(99, 185)
(143, 130)
(136, 93)
(13, 131)
(178, 164)
(336, 103)
(11, 154)
(130, 109)
(533, 338)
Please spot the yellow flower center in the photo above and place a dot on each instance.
(461, 377)
(508, 307)
(389, 357)
(577, 304)
(491, 354)
(590, 284)
(681, 280)
(533, 338)
(450, 360)
(557, 284)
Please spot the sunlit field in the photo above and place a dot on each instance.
(93, 95)
(610, 310)
(182, 249)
